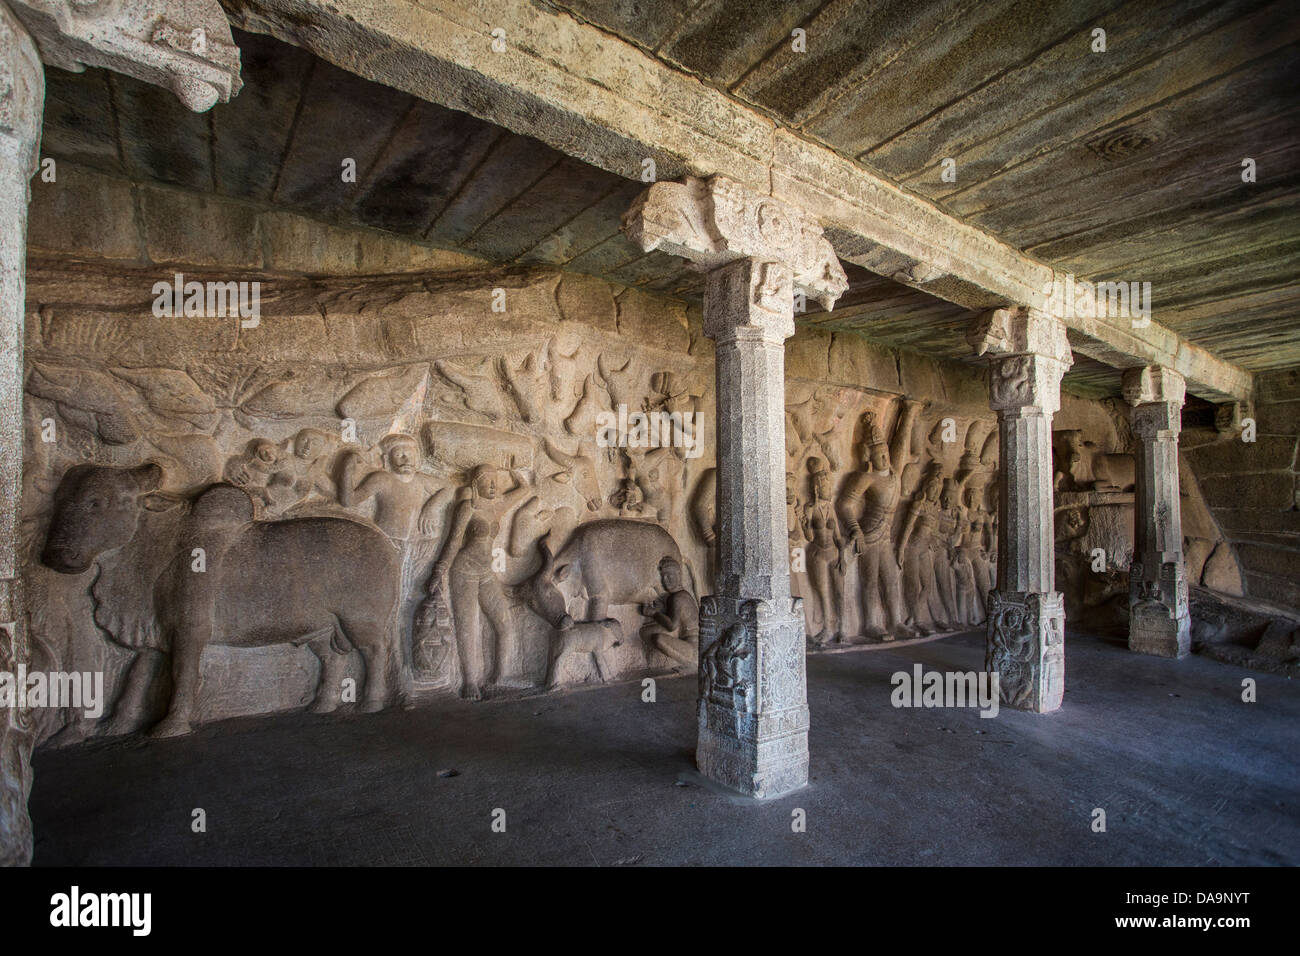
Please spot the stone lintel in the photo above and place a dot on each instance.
(599, 98)
(716, 221)
(182, 45)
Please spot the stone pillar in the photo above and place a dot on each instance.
(753, 711)
(22, 96)
(184, 45)
(1029, 353)
(1159, 622)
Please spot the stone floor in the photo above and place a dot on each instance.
(1186, 772)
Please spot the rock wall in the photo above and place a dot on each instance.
(410, 473)
(1251, 490)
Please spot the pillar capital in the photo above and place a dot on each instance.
(1028, 355)
(22, 94)
(1154, 383)
(749, 298)
(717, 221)
(1018, 331)
(183, 45)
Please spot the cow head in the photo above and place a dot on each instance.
(96, 509)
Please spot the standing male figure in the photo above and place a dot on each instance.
(866, 509)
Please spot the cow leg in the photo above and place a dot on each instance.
(187, 649)
(373, 644)
(134, 700)
(333, 668)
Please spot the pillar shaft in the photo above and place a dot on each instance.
(1159, 620)
(1026, 624)
(22, 93)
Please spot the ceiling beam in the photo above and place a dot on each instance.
(596, 97)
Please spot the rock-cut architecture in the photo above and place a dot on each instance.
(358, 354)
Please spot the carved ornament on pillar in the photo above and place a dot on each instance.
(716, 220)
(183, 45)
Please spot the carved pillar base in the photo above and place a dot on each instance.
(753, 719)
(1160, 622)
(1026, 648)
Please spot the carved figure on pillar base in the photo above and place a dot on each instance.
(1026, 649)
(752, 714)
(1160, 621)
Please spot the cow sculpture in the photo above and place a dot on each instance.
(175, 576)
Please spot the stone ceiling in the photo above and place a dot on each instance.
(1117, 165)
(1058, 164)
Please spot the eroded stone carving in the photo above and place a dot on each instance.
(218, 575)
(866, 506)
(183, 45)
(716, 221)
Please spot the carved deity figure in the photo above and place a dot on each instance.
(628, 499)
(674, 625)
(794, 519)
(825, 564)
(484, 616)
(965, 544)
(866, 508)
(975, 547)
(921, 550)
(722, 668)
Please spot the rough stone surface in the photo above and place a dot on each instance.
(592, 95)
